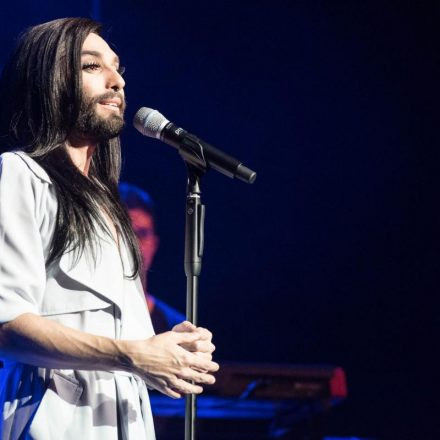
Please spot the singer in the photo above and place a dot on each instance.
(76, 339)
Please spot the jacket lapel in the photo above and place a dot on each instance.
(101, 273)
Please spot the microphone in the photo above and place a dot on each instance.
(151, 123)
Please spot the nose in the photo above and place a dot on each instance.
(115, 80)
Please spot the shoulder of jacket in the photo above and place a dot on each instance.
(20, 159)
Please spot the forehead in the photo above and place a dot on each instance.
(95, 43)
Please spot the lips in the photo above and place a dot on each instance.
(112, 102)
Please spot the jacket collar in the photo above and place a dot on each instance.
(33, 166)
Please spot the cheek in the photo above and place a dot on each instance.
(91, 85)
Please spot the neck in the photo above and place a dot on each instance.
(81, 153)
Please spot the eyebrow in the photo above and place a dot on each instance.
(98, 54)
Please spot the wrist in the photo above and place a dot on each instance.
(123, 358)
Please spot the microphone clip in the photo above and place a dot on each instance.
(192, 152)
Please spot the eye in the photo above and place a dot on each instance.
(121, 70)
(91, 66)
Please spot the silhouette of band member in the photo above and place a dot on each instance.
(140, 208)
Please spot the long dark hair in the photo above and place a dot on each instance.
(41, 96)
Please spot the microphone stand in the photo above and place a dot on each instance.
(192, 152)
(194, 241)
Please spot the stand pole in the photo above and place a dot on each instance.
(193, 153)
(194, 238)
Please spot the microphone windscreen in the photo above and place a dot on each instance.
(149, 122)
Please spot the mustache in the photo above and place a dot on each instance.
(108, 95)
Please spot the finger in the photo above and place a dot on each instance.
(198, 377)
(181, 386)
(184, 326)
(205, 346)
(207, 356)
(161, 386)
(201, 364)
(171, 393)
(205, 334)
(173, 386)
(200, 346)
(185, 337)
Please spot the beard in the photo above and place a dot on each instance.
(90, 124)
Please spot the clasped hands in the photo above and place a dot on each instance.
(175, 362)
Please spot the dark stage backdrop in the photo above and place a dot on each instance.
(331, 257)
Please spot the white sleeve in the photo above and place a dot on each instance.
(22, 264)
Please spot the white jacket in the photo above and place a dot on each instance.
(91, 296)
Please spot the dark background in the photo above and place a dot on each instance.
(331, 257)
